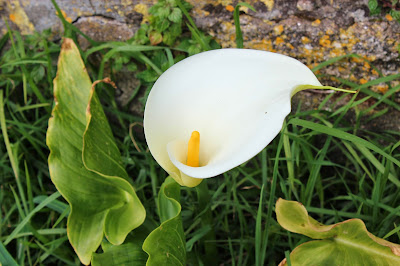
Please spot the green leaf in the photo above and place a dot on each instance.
(85, 163)
(345, 243)
(168, 200)
(162, 25)
(395, 14)
(176, 15)
(239, 36)
(129, 253)
(372, 5)
(147, 75)
(166, 244)
(162, 12)
(37, 73)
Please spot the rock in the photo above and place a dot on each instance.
(311, 31)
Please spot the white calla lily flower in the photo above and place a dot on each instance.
(236, 99)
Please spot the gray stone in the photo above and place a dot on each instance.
(311, 31)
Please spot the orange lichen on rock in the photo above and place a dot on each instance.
(18, 16)
(336, 52)
(265, 45)
(374, 72)
(305, 40)
(358, 59)
(316, 22)
(324, 41)
(389, 17)
(366, 67)
(290, 46)
(65, 16)
(279, 41)
(278, 29)
(12, 17)
(230, 8)
(363, 81)
(382, 88)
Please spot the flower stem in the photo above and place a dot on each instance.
(210, 247)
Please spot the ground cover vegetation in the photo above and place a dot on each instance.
(322, 159)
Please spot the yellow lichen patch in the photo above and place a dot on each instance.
(358, 59)
(109, 10)
(336, 52)
(142, 9)
(19, 17)
(126, 3)
(366, 66)
(228, 27)
(279, 41)
(228, 39)
(374, 72)
(290, 46)
(324, 41)
(65, 16)
(316, 22)
(230, 8)
(268, 3)
(329, 32)
(278, 29)
(222, 2)
(389, 17)
(265, 45)
(305, 40)
(353, 78)
(268, 22)
(382, 88)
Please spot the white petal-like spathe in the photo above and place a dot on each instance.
(236, 98)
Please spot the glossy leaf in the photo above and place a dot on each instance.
(129, 253)
(85, 163)
(345, 243)
(166, 244)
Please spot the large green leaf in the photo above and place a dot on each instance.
(166, 244)
(85, 163)
(345, 243)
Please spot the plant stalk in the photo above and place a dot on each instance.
(204, 211)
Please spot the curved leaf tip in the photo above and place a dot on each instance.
(166, 245)
(344, 243)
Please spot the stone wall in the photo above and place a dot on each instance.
(311, 31)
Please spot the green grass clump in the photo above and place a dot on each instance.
(331, 164)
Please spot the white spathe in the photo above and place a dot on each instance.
(236, 98)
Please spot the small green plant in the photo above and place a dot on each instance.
(165, 24)
(391, 7)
